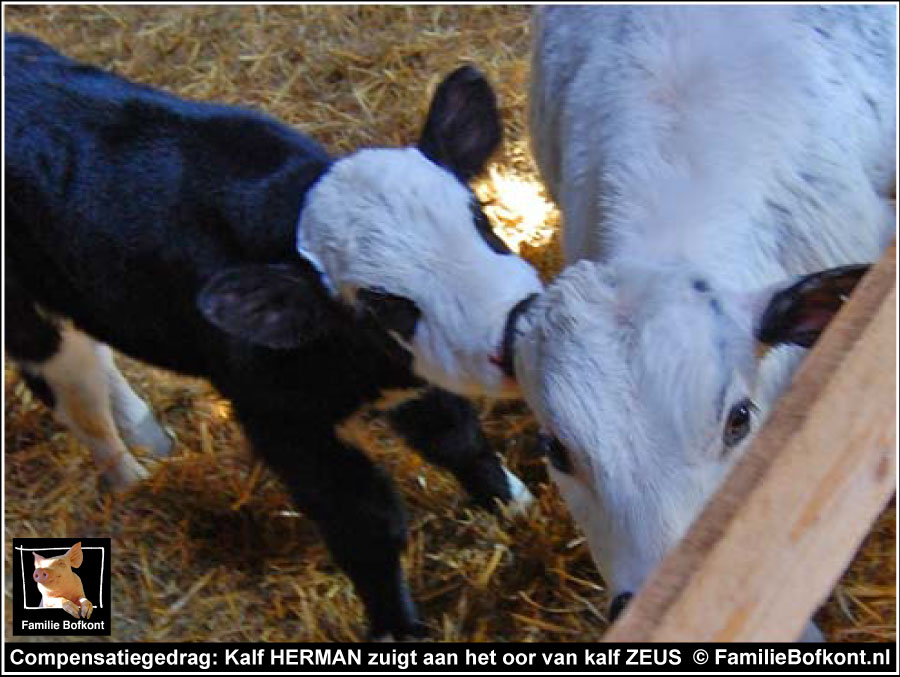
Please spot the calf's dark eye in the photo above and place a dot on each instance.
(556, 453)
(739, 422)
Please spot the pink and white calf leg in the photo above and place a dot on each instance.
(135, 421)
(78, 375)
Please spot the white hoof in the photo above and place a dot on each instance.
(521, 499)
(125, 474)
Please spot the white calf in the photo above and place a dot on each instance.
(703, 158)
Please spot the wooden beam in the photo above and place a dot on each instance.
(771, 543)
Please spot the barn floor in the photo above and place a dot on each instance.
(209, 548)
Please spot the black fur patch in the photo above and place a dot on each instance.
(277, 306)
(40, 388)
(483, 226)
(556, 453)
(446, 430)
(30, 335)
(507, 349)
(394, 313)
(618, 605)
(463, 127)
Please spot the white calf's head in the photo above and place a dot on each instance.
(398, 235)
(649, 383)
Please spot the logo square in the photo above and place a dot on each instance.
(61, 586)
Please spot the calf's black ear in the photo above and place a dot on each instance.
(799, 313)
(463, 127)
(276, 306)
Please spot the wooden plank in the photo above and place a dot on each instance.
(770, 545)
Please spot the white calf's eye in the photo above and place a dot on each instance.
(739, 422)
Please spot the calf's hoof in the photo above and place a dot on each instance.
(86, 608)
(520, 498)
(71, 608)
(124, 475)
(505, 496)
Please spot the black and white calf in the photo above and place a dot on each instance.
(169, 230)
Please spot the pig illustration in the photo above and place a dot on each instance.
(59, 585)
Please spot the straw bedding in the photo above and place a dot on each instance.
(210, 548)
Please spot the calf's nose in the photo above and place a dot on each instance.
(618, 605)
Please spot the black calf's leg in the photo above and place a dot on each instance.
(357, 511)
(445, 429)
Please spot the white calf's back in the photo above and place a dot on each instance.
(695, 132)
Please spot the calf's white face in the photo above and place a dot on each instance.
(398, 235)
(648, 384)
(390, 226)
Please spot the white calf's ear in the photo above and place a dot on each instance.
(798, 312)
(276, 306)
(463, 127)
(75, 556)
